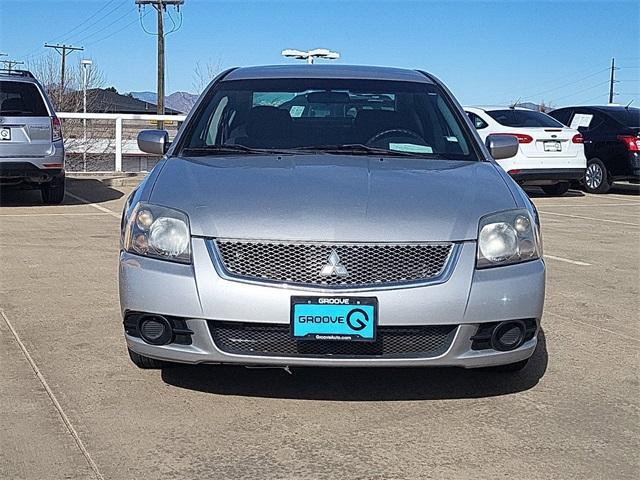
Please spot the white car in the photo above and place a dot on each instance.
(550, 154)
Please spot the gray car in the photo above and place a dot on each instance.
(31, 145)
(332, 216)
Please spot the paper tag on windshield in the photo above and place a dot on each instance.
(410, 147)
(580, 120)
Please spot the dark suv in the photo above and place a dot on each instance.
(611, 143)
(31, 146)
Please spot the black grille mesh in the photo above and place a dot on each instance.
(275, 340)
(301, 263)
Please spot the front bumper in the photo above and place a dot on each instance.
(198, 293)
(543, 176)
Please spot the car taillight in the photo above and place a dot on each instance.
(56, 129)
(632, 143)
(522, 138)
(577, 138)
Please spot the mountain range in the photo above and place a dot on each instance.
(181, 101)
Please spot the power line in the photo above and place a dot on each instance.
(116, 31)
(93, 24)
(10, 63)
(582, 91)
(32, 53)
(567, 84)
(106, 26)
(63, 50)
(84, 23)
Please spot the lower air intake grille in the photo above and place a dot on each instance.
(275, 341)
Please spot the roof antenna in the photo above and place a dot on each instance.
(627, 107)
(515, 104)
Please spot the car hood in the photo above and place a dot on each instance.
(332, 198)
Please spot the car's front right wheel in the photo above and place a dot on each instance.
(53, 191)
(596, 177)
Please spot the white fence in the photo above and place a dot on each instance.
(80, 146)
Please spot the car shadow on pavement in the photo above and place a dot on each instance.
(90, 189)
(537, 192)
(359, 384)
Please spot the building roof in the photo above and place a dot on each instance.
(106, 101)
(328, 71)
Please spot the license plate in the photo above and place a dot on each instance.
(552, 147)
(5, 133)
(334, 318)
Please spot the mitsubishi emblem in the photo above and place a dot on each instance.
(333, 266)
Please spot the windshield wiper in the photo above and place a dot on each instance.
(223, 149)
(362, 149)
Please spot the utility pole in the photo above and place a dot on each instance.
(63, 50)
(160, 87)
(9, 64)
(613, 80)
(160, 6)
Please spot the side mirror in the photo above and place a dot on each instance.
(502, 146)
(153, 141)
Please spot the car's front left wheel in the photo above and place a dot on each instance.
(145, 363)
(53, 191)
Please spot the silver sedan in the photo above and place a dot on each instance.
(330, 216)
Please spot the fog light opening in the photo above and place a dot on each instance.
(155, 329)
(508, 335)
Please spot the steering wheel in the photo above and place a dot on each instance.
(399, 132)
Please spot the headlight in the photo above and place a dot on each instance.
(158, 232)
(507, 237)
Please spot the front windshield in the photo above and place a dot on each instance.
(407, 118)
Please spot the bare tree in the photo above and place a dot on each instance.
(47, 70)
(98, 147)
(204, 73)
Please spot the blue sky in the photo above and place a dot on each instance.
(486, 52)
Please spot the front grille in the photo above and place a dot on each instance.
(276, 341)
(343, 264)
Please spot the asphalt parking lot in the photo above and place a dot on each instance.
(73, 406)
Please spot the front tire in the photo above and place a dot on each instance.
(53, 191)
(557, 189)
(596, 177)
(145, 363)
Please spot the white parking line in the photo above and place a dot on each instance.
(590, 218)
(94, 205)
(627, 204)
(56, 404)
(567, 260)
(92, 214)
(622, 335)
(623, 197)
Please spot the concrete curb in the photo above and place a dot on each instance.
(110, 179)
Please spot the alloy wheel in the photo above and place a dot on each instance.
(593, 176)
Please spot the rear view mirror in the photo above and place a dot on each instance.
(502, 146)
(153, 141)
